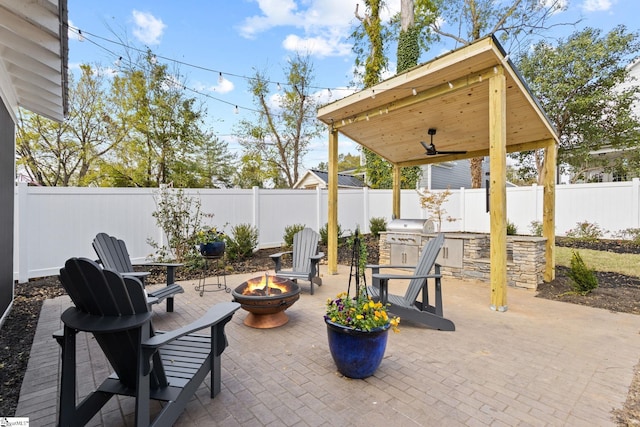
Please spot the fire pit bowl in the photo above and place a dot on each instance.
(266, 304)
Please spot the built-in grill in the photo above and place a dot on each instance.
(406, 237)
(420, 226)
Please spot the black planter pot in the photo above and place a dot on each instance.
(212, 249)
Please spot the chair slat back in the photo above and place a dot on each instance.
(106, 293)
(425, 264)
(305, 244)
(112, 253)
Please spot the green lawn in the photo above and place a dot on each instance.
(627, 264)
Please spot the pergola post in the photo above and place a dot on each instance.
(332, 220)
(549, 210)
(498, 188)
(396, 191)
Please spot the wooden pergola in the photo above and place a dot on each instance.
(479, 104)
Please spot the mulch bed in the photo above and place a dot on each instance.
(616, 292)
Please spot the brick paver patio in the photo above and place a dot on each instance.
(540, 363)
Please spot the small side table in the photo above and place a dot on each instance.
(213, 266)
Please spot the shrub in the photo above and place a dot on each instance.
(632, 234)
(536, 228)
(324, 234)
(586, 231)
(242, 242)
(584, 279)
(377, 224)
(512, 230)
(289, 231)
(180, 217)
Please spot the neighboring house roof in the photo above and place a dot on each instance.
(316, 178)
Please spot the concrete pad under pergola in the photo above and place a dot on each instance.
(479, 104)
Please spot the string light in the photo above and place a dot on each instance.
(118, 62)
(235, 110)
(220, 78)
(450, 85)
(367, 117)
(414, 91)
(80, 36)
(279, 87)
(154, 60)
(373, 93)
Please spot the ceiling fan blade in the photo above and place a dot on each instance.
(430, 148)
(451, 152)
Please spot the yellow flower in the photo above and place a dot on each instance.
(359, 317)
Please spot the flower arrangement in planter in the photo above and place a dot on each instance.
(212, 241)
(358, 326)
(359, 312)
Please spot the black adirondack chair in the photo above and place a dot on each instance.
(305, 258)
(148, 365)
(112, 253)
(408, 307)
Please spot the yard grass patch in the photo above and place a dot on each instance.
(627, 264)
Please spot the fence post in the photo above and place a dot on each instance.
(635, 204)
(365, 210)
(463, 196)
(255, 216)
(318, 208)
(22, 237)
(534, 190)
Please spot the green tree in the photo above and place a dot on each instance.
(369, 40)
(68, 153)
(345, 162)
(281, 133)
(584, 87)
(165, 127)
(514, 22)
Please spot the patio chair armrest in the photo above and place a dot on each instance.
(317, 257)
(137, 274)
(277, 259)
(215, 315)
(279, 254)
(379, 266)
(404, 276)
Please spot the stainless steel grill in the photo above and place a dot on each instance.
(405, 225)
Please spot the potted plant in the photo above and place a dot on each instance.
(211, 241)
(358, 326)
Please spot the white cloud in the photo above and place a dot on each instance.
(316, 46)
(597, 5)
(324, 24)
(148, 29)
(223, 86)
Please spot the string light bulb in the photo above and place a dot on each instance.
(278, 85)
(414, 91)
(118, 62)
(80, 36)
(450, 85)
(373, 93)
(154, 60)
(220, 78)
(235, 110)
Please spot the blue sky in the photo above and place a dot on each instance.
(204, 38)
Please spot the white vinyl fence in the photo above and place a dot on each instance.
(53, 224)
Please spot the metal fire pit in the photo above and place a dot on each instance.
(266, 310)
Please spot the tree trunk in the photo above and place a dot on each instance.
(476, 172)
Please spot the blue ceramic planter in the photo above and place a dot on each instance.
(356, 353)
(212, 249)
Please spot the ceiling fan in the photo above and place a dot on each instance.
(431, 149)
